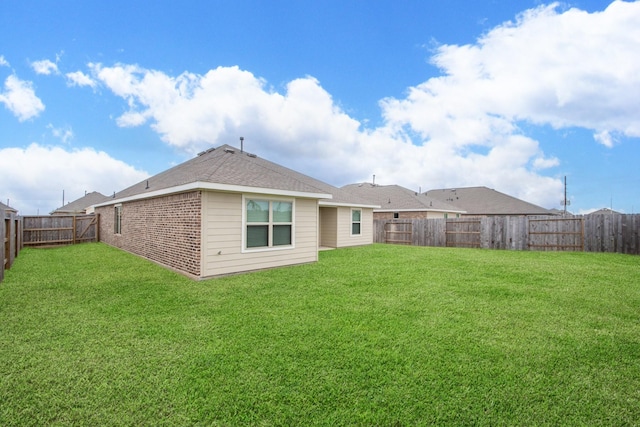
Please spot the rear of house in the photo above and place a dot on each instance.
(228, 211)
(342, 226)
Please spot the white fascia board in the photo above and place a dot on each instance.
(199, 185)
(346, 205)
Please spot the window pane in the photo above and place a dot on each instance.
(257, 211)
(281, 235)
(282, 211)
(117, 220)
(355, 228)
(355, 215)
(257, 236)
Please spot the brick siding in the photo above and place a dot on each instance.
(163, 229)
(401, 215)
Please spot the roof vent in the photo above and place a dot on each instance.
(229, 150)
(251, 155)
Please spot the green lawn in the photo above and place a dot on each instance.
(379, 335)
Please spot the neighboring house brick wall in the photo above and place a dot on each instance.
(413, 215)
(164, 229)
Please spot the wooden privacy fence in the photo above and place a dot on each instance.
(59, 229)
(591, 233)
(10, 238)
(464, 233)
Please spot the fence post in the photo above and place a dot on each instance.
(2, 234)
(11, 234)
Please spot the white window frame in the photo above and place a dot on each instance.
(270, 223)
(117, 219)
(351, 222)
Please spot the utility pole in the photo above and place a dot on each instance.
(565, 195)
(565, 202)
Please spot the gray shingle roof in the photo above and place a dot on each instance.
(81, 204)
(227, 165)
(7, 208)
(486, 201)
(397, 198)
(604, 211)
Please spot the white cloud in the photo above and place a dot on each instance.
(563, 69)
(303, 128)
(20, 98)
(45, 67)
(3, 62)
(549, 67)
(78, 78)
(63, 134)
(33, 178)
(545, 163)
(605, 138)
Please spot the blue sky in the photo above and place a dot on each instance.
(95, 96)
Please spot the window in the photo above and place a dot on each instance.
(396, 215)
(117, 220)
(269, 223)
(356, 222)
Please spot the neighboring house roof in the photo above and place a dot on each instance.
(80, 205)
(556, 211)
(604, 211)
(7, 208)
(396, 198)
(486, 201)
(228, 169)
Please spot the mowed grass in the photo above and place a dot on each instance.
(379, 335)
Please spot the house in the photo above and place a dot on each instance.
(8, 209)
(398, 202)
(604, 211)
(483, 201)
(228, 211)
(559, 212)
(81, 206)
